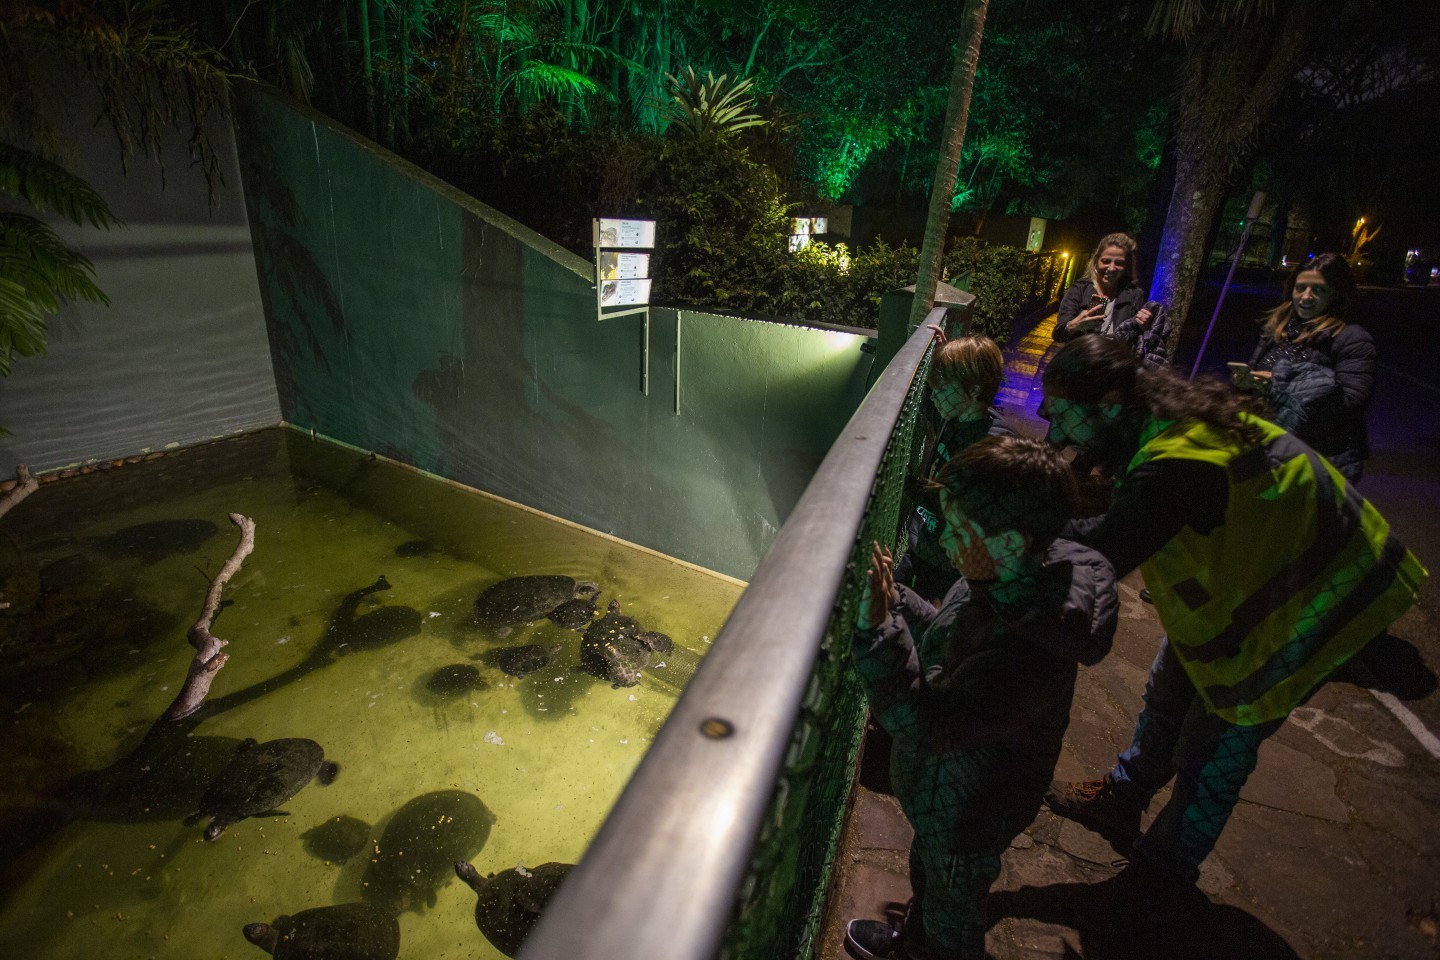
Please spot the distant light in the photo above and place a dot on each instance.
(1065, 254)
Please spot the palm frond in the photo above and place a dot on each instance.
(1181, 18)
(715, 105)
(46, 185)
(37, 273)
(537, 78)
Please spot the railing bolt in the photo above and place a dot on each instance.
(717, 729)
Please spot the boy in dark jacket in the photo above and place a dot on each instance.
(965, 376)
(978, 706)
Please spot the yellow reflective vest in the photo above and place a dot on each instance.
(1301, 574)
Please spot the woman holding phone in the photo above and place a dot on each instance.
(1107, 300)
(1316, 370)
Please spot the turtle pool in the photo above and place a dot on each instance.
(441, 753)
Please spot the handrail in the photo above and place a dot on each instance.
(661, 877)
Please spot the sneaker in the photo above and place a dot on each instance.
(1099, 805)
(872, 939)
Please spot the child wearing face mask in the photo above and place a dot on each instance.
(965, 376)
(977, 705)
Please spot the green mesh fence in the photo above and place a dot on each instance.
(783, 895)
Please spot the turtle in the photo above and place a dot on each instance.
(420, 845)
(509, 903)
(656, 641)
(337, 839)
(346, 931)
(260, 776)
(454, 680)
(519, 600)
(526, 658)
(612, 648)
(574, 614)
(154, 541)
(348, 633)
(416, 548)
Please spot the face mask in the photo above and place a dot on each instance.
(1086, 426)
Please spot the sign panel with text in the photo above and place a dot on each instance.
(624, 293)
(625, 233)
(624, 266)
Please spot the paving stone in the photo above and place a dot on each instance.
(879, 823)
(1304, 871)
(1287, 779)
(1216, 880)
(1087, 845)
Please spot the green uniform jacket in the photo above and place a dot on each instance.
(1300, 576)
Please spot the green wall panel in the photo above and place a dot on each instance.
(408, 319)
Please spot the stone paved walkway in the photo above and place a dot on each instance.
(1333, 852)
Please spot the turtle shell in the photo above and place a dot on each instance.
(346, 931)
(526, 658)
(261, 776)
(523, 599)
(574, 614)
(420, 845)
(613, 650)
(509, 903)
(337, 839)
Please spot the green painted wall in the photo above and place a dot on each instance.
(408, 319)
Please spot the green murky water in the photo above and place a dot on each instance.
(93, 650)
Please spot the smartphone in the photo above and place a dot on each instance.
(1096, 301)
(1239, 373)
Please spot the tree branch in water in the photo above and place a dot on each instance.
(209, 649)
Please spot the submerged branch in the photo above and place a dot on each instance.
(25, 484)
(209, 649)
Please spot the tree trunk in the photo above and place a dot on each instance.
(368, 67)
(1193, 203)
(957, 114)
(1228, 89)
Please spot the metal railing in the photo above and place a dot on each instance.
(722, 840)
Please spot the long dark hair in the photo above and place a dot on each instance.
(1088, 369)
(1336, 271)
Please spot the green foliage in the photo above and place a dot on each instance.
(48, 186)
(722, 221)
(37, 272)
(715, 106)
(1000, 278)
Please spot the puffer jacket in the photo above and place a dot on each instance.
(1319, 391)
(984, 697)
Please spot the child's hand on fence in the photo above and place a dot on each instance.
(940, 338)
(879, 590)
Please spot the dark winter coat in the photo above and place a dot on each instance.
(1148, 341)
(1320, 389)
(978, 707)
(924, 560)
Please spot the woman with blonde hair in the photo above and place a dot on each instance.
(1317, 370)
(1108, 300)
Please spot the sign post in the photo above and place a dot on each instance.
(622, 276)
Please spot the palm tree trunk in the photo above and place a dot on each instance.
(1193, 204)
(1228, 90)
(957, 114)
